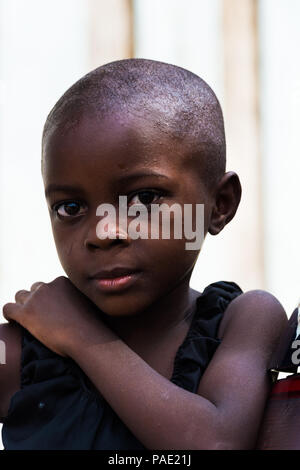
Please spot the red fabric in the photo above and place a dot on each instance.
(287, 387)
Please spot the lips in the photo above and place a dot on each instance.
(113, 273)
(116, 280)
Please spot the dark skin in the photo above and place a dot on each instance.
(127, 341)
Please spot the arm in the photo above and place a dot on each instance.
(231, 396)
(227, 410)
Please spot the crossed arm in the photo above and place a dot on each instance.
(224, 414)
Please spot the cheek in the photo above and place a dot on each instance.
(183, 238)
(168, 259)
(66, 250)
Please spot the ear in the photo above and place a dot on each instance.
(227, 199)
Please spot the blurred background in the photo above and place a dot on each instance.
(247, 50)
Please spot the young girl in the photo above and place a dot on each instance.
(122, 353)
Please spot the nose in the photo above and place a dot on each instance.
(103, 234)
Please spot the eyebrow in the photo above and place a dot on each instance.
(144, 174)
(52, 188)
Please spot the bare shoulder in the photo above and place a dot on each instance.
(255, 314)
(10, 364)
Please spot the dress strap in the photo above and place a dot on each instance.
(201, 342)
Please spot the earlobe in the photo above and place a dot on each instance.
(227, 199)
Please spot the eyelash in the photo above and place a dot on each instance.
(56, 206)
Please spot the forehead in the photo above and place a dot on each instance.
(116, 144)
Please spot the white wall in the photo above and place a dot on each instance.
(280, 108)
(43, 50)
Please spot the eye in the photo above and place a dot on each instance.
(146, 197)
(69, 209)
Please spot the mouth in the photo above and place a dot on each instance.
(116, 279)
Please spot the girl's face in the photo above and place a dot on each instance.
(97, 162)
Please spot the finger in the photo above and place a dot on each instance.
(21, 296)
(10, 311)
(36, 285)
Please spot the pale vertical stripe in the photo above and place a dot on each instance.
(243, 143)
(111, 31)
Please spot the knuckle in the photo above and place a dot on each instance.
(6, 309)
(21, 291)
(20, 294)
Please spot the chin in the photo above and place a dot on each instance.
(120, 307)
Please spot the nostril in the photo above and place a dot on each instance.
(114, 235)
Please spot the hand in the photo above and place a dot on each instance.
(57, 314)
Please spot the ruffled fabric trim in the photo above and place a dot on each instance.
(201, 342)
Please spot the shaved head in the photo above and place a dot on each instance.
(173, 100)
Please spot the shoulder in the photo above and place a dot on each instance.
(10, 364)
(255, 316)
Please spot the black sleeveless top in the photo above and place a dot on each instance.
(57, 407)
